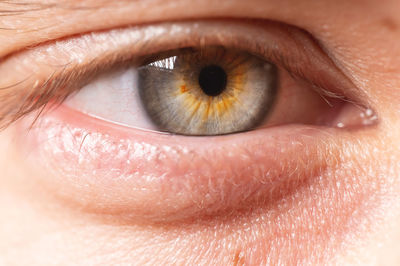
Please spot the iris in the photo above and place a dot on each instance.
(207, 91)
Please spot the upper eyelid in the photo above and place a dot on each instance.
(130, 42)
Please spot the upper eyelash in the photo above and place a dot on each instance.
(19, 100)
(55, 89)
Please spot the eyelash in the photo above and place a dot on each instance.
(261, 39)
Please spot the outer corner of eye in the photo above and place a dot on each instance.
(353, 116)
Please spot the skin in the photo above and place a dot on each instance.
(362, 215)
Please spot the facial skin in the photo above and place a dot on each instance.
(345, 212)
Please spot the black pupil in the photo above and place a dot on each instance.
(212, 80)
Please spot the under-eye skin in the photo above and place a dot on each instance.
(207, 91)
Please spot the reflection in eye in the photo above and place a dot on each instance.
(208, 91)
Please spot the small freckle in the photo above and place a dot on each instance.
(389, 24)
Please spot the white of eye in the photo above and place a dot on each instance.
(114, 97)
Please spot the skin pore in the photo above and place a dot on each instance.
(346, 214)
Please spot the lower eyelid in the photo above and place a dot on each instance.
(126, 169)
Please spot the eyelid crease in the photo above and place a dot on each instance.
(271, 41)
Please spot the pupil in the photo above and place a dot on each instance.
(212, 80)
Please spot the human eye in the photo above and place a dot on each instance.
(199, 82)
(99, 94)
(206, 91)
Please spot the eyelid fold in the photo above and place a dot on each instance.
(49, 73)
